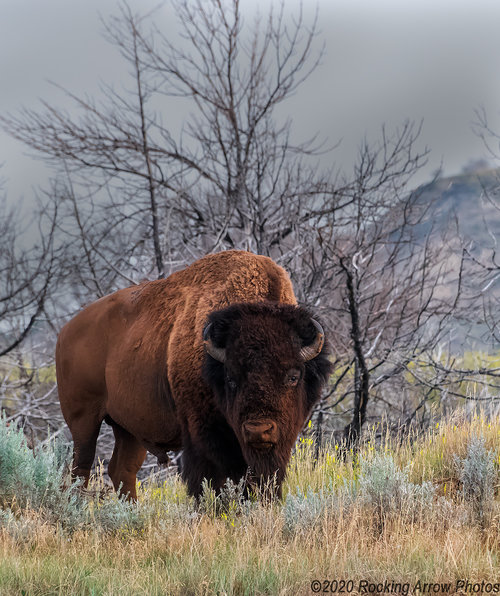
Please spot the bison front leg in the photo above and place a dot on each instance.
(198, 465)
(196, 468)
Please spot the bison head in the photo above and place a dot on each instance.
(266, 364)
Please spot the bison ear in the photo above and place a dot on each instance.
(218, 353)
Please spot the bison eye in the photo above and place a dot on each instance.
(292, 377)
(231, 384)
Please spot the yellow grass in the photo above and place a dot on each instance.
(180, 551)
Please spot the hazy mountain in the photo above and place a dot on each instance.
(467, 206)
(473, 198)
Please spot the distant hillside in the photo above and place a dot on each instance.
(472, 199)
(466, 197)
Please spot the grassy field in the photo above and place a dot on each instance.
(425, 509)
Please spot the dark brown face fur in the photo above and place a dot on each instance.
(264, 389)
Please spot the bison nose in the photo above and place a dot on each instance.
(260, 433)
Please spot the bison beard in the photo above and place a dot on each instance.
(217, 360)
(266, 474)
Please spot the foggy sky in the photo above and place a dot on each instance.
(385, 61)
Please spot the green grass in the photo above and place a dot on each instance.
(340, 518)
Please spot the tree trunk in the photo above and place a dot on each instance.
(352, 431)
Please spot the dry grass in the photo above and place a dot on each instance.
(179, 551)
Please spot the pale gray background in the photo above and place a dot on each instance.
(386, 60)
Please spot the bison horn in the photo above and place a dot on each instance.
(217, 353)
(311, 351)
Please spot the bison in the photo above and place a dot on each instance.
(217, 360)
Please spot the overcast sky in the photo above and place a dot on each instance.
(386, 60)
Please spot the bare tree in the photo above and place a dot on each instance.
(137, 198)
(386, 281)
(141, 201)
(30, 269)
(28, 272)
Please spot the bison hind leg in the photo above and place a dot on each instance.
(127, 459)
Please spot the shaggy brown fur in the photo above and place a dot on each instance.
(136, 359)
